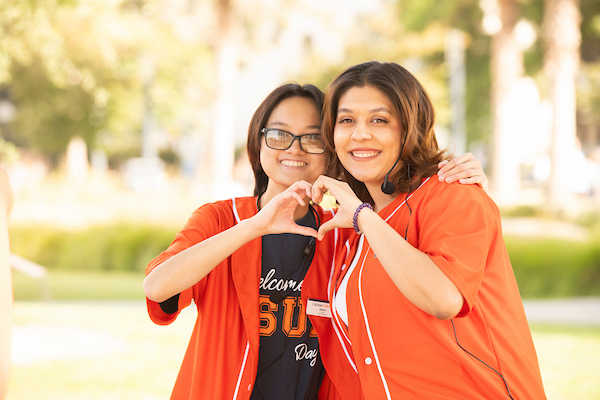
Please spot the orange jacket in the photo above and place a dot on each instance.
(402, 352)
(222, 357)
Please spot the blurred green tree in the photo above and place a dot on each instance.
(79, 68)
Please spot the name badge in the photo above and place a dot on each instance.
(318, 308)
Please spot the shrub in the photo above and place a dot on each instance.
(555, 268)
(122, 247)
(543, 267)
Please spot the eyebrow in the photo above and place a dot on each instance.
(374, 110)
(284, 125)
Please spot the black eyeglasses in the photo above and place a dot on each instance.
(281, 140)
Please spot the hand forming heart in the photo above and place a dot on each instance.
(344, 195)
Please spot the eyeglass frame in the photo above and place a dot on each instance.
(294, 137)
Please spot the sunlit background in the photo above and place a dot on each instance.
(119, 117)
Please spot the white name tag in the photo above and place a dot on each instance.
(318, 308)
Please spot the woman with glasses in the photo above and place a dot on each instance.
(253, 339)
(423, 293)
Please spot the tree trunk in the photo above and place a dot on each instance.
(223, 143)
(507, 70)
(562, 37)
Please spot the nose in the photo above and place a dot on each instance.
(361, 132)
(295, 146)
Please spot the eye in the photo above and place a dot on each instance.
(344, 120)
(378, 120)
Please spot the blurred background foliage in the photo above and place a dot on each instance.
(81, 68)
(89, 68)
(544, 267)
(170, 78)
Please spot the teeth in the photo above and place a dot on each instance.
(292, 163)
(364, 154)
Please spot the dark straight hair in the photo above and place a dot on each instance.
(411, 102)
(260, 118)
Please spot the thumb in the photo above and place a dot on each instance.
(324, 228)
(303, 230)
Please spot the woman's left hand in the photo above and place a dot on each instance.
(465, 169)
(346, 198)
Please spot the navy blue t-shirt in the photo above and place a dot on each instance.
(289, 365)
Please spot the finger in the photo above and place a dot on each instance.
(463, 170)
(441, 165)
(324, 228)
(298, 198)
(304, 231)
(319, 188)
(465, 174)
(479, 180)
(464, 158)
(445, 167)
(306, 188)
(301, 187)
(448, 165)
(333, 187)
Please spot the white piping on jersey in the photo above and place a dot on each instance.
(235, 213)
(362, 303)
(368, 328)
(339, 297)
(401, 204)
(344, 347)
(333, 313)
(239, 381)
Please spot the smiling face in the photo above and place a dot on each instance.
(367, 135)
(299, 116)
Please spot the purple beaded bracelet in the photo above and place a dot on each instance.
(355, 219)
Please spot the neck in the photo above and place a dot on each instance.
(381, 199)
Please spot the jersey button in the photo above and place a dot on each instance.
(249, 387)
(368, 361)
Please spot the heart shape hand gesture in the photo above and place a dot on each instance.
(278, 215)
(346, 198)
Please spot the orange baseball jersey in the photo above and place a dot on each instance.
(401, 352)
(222, 357)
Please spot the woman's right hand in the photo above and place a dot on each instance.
(346, 198)
(278, 215)
(189, 266)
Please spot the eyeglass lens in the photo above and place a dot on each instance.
(282, 140)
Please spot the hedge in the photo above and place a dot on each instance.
(121, 247)
(555, 268)
(543, 267)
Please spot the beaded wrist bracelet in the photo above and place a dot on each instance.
(355, 219)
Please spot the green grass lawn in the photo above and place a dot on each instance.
(98, 350)
(569, 361)
(76, 285)
(94, 351)
(109, 349)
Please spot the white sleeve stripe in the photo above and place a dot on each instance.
(235, 212)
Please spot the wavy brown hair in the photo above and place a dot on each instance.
(259, 121)
(421, 152)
